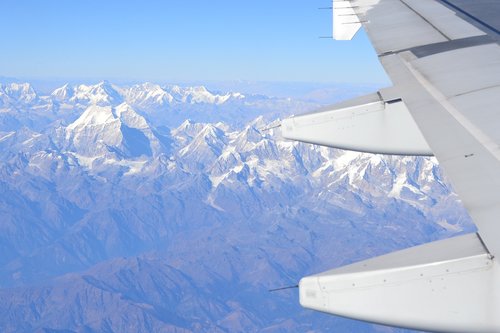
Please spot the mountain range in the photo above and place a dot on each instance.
(154, 208)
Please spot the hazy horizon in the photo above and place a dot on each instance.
(322, 92)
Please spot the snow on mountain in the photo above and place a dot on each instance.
(102, 93)
(204, 148)
(165, 106)
(21, 92)
(148, 96)
(23, 139)
(63, 93)
(101, 130)
(200, 94)
(17, 93)
(112, 222)
(188, 129)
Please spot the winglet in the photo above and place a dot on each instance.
(345, 21)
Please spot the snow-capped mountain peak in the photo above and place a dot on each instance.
(100, 128)
(63, 93)
(94, 115)
(15, 93)
(200, 95)
(148, 95)
(102, 94)
(188, 128)
(130, 117)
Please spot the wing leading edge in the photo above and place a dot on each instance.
(443, 58)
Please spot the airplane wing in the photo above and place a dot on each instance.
(443, 57)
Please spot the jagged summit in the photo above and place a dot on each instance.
(188, 127)
(147, 95)
(63, 93)
(200, 95)
(17, 93)
(164, 105)
(106, 129)
(103, 93)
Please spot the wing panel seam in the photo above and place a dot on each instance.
(426, 20)
(476, 132)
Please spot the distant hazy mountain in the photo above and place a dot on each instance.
(116, 216)
(168, 106)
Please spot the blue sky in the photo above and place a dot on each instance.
(180, 40)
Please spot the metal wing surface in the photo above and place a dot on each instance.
(443, 57)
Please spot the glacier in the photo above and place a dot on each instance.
(151, 208)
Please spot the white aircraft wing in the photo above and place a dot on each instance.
(443, 57)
